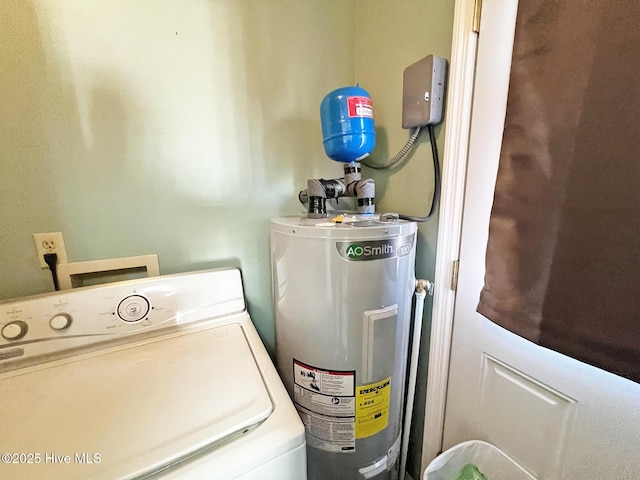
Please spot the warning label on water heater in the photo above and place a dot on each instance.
(325, 400)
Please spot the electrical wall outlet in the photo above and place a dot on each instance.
(50, 243)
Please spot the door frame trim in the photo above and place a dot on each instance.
(456, 148)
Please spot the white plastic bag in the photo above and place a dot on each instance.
(490, 460)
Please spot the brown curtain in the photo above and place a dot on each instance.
(563, 256)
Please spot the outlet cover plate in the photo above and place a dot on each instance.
(52, 242)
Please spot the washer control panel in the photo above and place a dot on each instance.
(74, 318)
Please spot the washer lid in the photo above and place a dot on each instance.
(133, 409)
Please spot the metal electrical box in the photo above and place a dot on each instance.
(423, 92)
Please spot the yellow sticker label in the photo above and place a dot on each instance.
(372, 407)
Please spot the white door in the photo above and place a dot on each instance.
(559, 418)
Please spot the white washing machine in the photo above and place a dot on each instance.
(161, 377)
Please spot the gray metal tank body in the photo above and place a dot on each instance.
(334, 290)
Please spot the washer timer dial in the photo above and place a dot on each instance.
(133, 308)
(60, 321)
(14, 330)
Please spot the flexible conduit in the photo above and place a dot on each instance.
(400, 155)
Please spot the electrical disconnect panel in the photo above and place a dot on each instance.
(423, 92)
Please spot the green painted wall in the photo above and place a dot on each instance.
(389, 37)
(168, 127)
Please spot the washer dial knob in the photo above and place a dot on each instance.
(14, 330)
(60, 321)
(133, 308)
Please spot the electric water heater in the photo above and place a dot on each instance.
(342, 294)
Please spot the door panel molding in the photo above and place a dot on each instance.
(512, 401)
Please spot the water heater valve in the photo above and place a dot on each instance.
(423, 285)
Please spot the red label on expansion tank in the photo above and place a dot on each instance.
(360, 107)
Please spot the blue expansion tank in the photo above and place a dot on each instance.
(348, 132)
